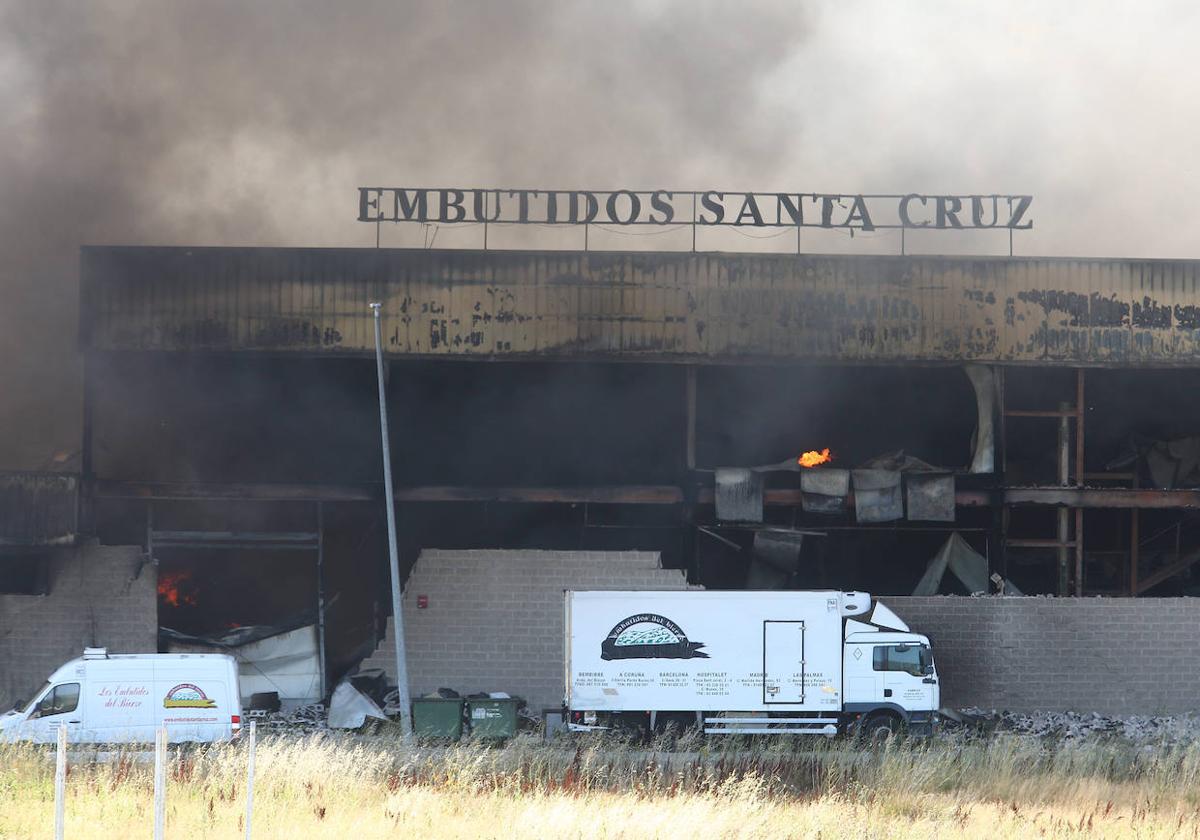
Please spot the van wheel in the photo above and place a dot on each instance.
(879, 729)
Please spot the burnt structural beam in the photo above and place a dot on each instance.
(652, 494)
(107, 489)
(230, 540)
(1104, 497)
(1121, 498)
(636, 494)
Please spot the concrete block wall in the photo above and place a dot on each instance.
(99, 596)
(495, 618)
(1119, 656)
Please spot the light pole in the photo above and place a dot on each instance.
(393, 555)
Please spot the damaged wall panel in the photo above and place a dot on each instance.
(99, 596)
(607, 304)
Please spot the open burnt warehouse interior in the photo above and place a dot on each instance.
(900, 425)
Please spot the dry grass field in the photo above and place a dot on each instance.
(357, 789)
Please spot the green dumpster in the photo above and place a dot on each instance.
(493, 717)
(438, 717)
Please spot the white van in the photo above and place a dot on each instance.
(125, 698)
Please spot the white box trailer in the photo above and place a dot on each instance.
(742, 662)
(124, 698)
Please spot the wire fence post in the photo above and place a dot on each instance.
(252, 746)
(60, 784)
(160, 782)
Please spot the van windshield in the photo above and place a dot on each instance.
(23, 705)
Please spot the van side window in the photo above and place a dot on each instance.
(61, 699)
(906, 658)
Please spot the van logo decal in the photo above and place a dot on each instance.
(649, 636)
(187, 696)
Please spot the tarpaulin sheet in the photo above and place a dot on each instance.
(930, 497)
(287, 663)
(877, 496)
(983, 380)
(824, 490)
(349, 708)
(1171, 463)
(739, 494)
(776, 559)
(965, 563)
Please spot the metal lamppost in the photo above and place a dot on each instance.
(397, 614)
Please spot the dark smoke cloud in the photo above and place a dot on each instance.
(232, 123)
(252, 123)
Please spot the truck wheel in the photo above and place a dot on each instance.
(673, 726)
(879, 729)
(633, 727)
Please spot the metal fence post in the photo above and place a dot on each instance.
(160, 782)
(60, 784)
(252, 748)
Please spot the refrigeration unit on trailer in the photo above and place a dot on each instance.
(745, 662)
(125, 698)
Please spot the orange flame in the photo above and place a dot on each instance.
(812, 459)
(169, 592)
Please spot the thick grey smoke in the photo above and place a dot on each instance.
(252, 123)
(233, 123)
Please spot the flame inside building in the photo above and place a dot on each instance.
(173, 589)
(815, 458)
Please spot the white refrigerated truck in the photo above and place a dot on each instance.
(746, 662)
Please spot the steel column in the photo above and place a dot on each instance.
(393, 553)
(1064, 480)
(321, 597)
(1079, 464)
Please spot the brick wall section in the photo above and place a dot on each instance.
(1109, 655)
(494, 622)
(495, 618)
(99, 596)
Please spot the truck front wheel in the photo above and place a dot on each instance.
(880, 728)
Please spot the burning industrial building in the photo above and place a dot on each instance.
(907, 425)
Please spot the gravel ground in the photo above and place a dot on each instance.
(1081, 725)
(1056, 726)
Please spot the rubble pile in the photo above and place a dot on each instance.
(1065, 726)
(302, 720)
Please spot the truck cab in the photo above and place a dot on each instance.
(889, 676)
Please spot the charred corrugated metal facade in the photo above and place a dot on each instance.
(606, 401)
(696, 307)
(39, 509)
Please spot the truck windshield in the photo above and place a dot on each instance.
(911, 659)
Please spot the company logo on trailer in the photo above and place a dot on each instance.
(187, 696)
(649, 636)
